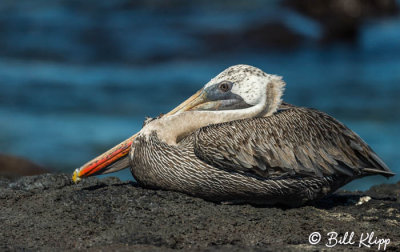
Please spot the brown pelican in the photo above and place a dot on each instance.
(235, 141)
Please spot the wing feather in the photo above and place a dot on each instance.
(294, 141)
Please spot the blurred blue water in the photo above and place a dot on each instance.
(67, 96)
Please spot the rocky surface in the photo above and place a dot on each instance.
(13, 167)
(342, 19)
(49, 212)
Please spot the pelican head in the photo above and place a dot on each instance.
(242, 83)
(239, 92)
(237, 87)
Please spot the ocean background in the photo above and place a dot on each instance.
(78, 77)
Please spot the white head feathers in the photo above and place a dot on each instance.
(251, 83)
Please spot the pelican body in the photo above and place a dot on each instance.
(235, 141)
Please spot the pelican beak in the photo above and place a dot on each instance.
(198, 101)
(112, 160)
(192, 103)
(117, 158)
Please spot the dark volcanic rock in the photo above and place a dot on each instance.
(12, 167)
(49, 212)
(342, 19)
(269, 35)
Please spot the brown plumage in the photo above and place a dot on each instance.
(294, 156)
(235, 141)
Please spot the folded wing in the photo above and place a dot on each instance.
(293, 142)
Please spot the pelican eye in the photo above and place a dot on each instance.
(225, 86)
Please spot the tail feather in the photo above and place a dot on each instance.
(374, 171)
